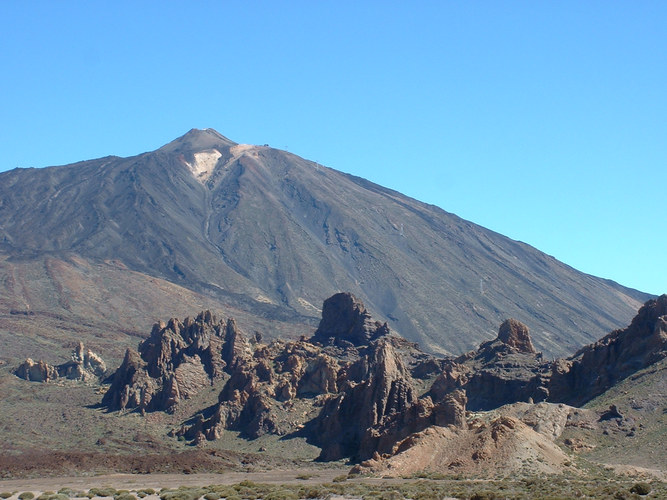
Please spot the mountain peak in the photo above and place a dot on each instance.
(198, 140)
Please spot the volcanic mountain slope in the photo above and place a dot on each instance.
(270, 234)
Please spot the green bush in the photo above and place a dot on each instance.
(281, 494)
(221, 491)
(52, 496)
(102, 492)
(180, 495)
(67, 492)
(5, 494)
(641, 488)
(26, 495)
(125, 496)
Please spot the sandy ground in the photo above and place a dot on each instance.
(157, 481)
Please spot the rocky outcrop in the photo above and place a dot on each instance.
(346, 389)
(383, 438)
(515, 334)
(375, 388)
(357, 391)
(84, 366)
(345, 321)
(261, 391)
(508, 370)
(597, 367)
(506, 441)
(176, 362)
(504, 370)
(36, 371)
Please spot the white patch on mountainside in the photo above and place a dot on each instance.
(239, 149)
(204, 163)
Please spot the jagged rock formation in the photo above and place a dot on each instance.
(515, 334)
(175, 362)
(345, 321)
(84, 366)
(375, 387)
(357, 391)
(261, 391)
(508, 370)
(501, 371)
(346, 389)
(596, 367)
(382, 439)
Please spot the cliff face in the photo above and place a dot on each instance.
(597, 367)
(175, 362)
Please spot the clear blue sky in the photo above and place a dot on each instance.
(545, 121)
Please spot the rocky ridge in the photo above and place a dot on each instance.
(175, 362)
(598, 366)
(357, 391)
(84, 366)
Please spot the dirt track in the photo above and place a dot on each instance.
(157, 481)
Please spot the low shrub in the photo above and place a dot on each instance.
(26, 495)
(125, 496)
(305, 476)
(181, 494)
(52, 496)
(102, 492)
(281, 494)
(641, 488)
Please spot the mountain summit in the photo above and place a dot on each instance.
(197, 140)
(266, 232)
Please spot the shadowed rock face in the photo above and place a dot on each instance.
(508, 370)
(345, 321)
(597, 367)
(384, 389)
(504, 370)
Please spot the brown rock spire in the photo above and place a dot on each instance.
(516, 334)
